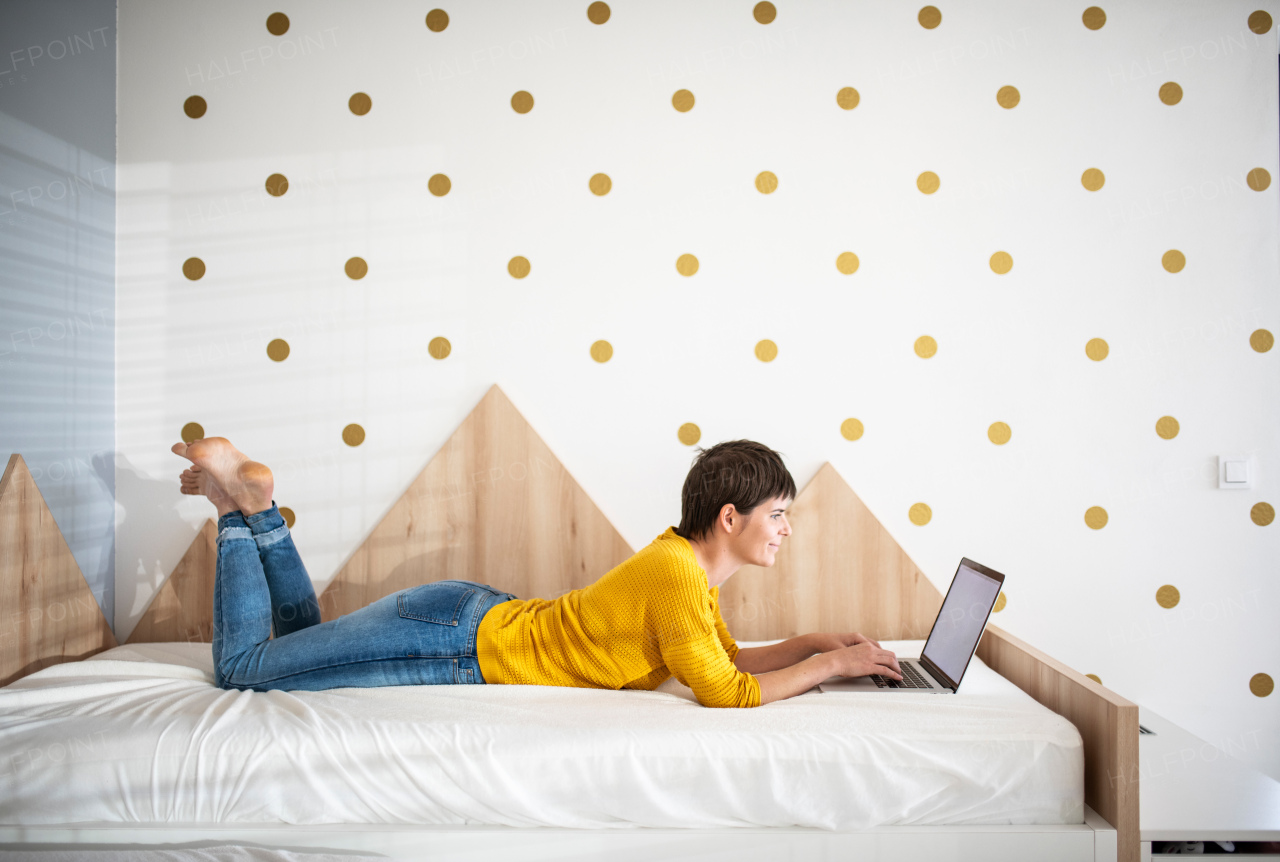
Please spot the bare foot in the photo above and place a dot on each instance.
(248, 483)
(198, 482)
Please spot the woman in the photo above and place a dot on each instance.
(654, 616)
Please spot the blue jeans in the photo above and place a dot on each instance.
(423, 635)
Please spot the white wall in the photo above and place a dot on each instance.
(1011, 347)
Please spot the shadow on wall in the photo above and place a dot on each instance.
(150, 502)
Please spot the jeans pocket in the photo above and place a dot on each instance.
(440, 602)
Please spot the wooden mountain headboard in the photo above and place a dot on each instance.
(49, 613)
(493, 506)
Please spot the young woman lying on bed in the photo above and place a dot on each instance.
(654, 616)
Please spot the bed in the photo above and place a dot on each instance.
(132, 745)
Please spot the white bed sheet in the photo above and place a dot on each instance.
(140, 734)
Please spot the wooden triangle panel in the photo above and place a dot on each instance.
(493, 506)
(49, 613)
(182, 610)
(838, 571)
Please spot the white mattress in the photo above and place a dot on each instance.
(141, 734)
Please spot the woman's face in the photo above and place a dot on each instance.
(762, 534)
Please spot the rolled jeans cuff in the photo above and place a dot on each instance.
(265, 528)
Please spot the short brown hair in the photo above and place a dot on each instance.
(741, 472)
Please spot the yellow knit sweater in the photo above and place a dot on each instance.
(647, 619)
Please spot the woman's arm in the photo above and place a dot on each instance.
(775, 656)
(859, 659)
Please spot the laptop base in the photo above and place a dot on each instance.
(865, 684)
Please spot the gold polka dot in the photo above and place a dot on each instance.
(1261, 684)
(439, 185)
(847, 262)
(1167, 427)
(929, 17)
(191, 432)
(600, 184)
(1262, 514)
(851, 429)
(522, 102)
(920, 514)
(765, 12)
(1094, 677)
(682, 101)
(360, 103)
(598, 13)
(278, 350)
(356, 268)
(289, 518)
(1262, 340)
(766, 350)
(1259, 179)
(1095, 518)
(689, 434)
(601, 351)
(277, 23)
(193, 268)
(1173, 260)
(1097, 349)
(353, 435)
(1170, 93)
(1008, 97)
(1260, 22)
(999, 433)
(519, 266)
(439, 347)
(1168, 596)
(277, 185)
(926, 346)
(928, 182)
(1001, 262)
(848, 98)
(686, 264)
(766, 182)
(1093, 179)
(437, 20)
(1094, 18)
(194, 107)
(1001, 601)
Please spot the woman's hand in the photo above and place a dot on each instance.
(865, 659)
(828, 641)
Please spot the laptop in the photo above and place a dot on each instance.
(952, 640)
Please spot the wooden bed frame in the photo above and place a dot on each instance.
(496, 506)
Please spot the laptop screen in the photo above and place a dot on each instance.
(961, 621)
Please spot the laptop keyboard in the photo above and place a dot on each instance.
(911, 678)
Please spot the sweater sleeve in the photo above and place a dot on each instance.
(704, 667)
(722, 631)
(692, 649)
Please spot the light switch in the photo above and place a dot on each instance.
(1235, 471)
